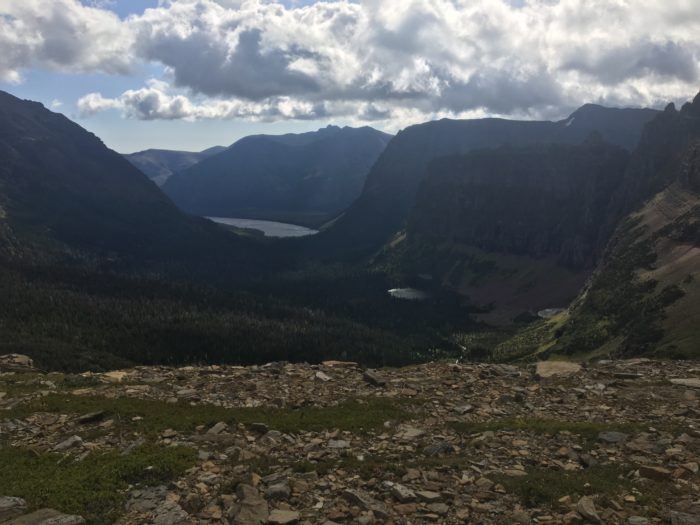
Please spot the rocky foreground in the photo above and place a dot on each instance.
(615, 442)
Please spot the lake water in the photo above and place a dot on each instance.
(269, 228)
(411, 294)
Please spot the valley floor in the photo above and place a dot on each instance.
(615, 442)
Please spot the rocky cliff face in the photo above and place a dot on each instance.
(645, 296)
(515, 229)
(655, 162)
(395, 179)
(537, 201)
(520, 229)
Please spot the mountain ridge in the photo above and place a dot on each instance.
(65, 193)
(161, 164)
(394, 180)
(306, 178)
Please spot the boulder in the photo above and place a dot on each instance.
(10, 507)
(16, 363)
(586, 508)
(283, 517)
(374, 378)
(116, 376)
(252, 509)
(613, 437)
(73, 441)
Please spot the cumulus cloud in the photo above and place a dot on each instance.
(61, 35)
(387, 60)
(155, 102)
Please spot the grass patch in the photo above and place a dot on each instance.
(544, 486)
(151, 416)
(534, 339)
(585, 429)
(94, 488)
(368, 467)
(25, 383)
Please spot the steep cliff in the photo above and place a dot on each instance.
(392, 184)
(515, 229)
(644, 296)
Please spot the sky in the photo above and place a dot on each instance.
(190, 74)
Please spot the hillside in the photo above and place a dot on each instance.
(643, 298)
(65, 195)
(306, 178)
(160, 164)
(392, 185)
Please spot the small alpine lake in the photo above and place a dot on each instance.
(269, 228)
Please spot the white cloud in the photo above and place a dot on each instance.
(61, 35)
(392, 60)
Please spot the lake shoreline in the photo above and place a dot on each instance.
(271, 229)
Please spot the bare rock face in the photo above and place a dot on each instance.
(547, 369)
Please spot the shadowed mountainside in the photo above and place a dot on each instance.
(64, 194)
(305, 178)
(390, 191)
(160, 164)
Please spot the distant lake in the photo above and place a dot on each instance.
(411, 294)
(269, 228)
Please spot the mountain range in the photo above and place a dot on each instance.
(592, 219)
(390, 192)
(306, 178)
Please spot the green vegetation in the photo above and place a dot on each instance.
(17, 384)
(544, 486)
(94, 487)
(152, 417)
(534, 339)
(76, 320)
(586, 429)
(619, 305)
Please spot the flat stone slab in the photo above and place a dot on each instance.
(690, 382)
(546, 369)
(283, 517)
(116, 376)
(613, 437)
